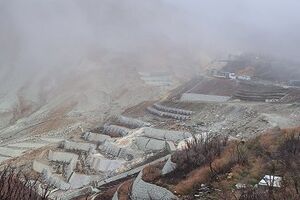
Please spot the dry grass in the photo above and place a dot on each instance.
(108, 193)
(204, 174)
(151, 173)
(259, 154)
(124, 190)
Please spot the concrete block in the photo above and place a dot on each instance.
(116, 151)
(121, 131)
(3, 158)
(95, 137)
(144, 190)
(100, 163)
(62, 156)
(167, 114)
(78, 180)
(172, 110)
(39, 166)
(150, 144)
(131, 123)
(193, 97)
(55, 180)
(80, 146)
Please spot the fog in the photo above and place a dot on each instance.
(57, 34)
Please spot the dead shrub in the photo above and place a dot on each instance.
(151, 173)
(124, 191)
(198, 152)
(193, 180)
(108, 193)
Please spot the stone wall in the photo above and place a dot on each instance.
(167, 114)
(193, 97)
(119, 130)
(172, 110)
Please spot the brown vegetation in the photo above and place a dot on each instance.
(17, 185)
(221, 164)
(151, 173)
(124, 191)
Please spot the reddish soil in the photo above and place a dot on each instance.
(222, 87)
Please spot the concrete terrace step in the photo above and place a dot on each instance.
(131, 122)
(167, 114)
(115, 129)
(172, 110)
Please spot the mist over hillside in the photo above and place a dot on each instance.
(52, 51)
(153, 99)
